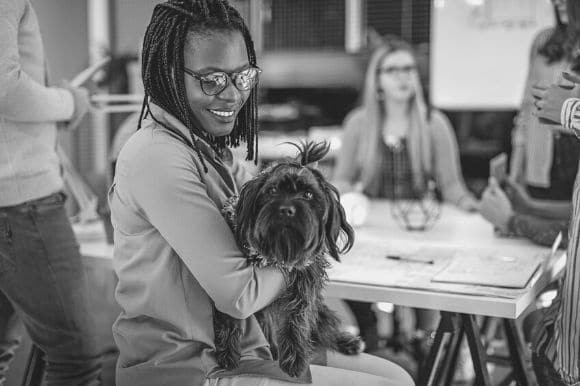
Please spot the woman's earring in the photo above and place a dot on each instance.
(380, 95)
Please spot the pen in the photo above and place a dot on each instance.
(409, 259)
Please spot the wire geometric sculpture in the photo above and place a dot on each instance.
(418, 211)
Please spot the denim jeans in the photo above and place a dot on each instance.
(43, 283)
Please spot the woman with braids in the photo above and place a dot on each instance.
(175, 256)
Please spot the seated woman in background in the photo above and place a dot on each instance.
(394, 118)
(545, 161)
(392, 145)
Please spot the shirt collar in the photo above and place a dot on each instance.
(172, 122)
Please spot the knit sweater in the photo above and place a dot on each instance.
(29, 166)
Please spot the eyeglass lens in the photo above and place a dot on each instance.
(216, 82)
(397, 70)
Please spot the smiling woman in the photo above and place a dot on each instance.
(175, 256)
(214, 103)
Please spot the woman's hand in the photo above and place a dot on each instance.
(548, 101)
(519, 197)
(496, 206)
(469, 204)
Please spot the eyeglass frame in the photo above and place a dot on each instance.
(396, 70)
(229, 78)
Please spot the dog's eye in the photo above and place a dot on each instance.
(272, 190)
(308, 195)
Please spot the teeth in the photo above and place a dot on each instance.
(222, 113)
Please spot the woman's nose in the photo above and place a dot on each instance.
(230, 93)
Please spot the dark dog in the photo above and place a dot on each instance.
(290, 217)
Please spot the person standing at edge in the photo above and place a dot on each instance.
(42, 278)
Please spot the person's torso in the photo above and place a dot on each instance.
(29, 166)
(170, 327)
(394, 175)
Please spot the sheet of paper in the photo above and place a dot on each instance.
(88, 72)
(498, 167)
(490, 269)
(366, 263)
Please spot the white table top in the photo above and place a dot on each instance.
(455, 230)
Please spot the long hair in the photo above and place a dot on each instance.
(172, 23)
(562, 44)
(572, 45)
(375, 113)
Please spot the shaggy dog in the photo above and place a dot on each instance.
(290, 217)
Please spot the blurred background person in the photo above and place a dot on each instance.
(42, 278)
(544, 161)
(394, 117)
(556, 344)
(392, 145)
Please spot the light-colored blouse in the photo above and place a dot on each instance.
(176, 258)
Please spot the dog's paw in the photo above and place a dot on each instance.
(227, 359)
(349, 344)
(294, 366)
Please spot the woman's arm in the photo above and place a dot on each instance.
(169, 191)
(346, 171)
(447, 164)
(22, 99)
(548, 209)
(539, 230)
(519, 131)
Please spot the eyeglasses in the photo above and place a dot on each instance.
(216, 82)
(391, 70)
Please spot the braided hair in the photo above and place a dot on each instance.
(163, 62)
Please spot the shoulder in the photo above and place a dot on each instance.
(355, 119)
(438, 120)
(154, 151)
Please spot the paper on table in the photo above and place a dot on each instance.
(366, 264)
(490, 269)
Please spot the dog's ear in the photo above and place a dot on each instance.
(338, 230)
(247, 207)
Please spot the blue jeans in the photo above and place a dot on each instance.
(44, 284)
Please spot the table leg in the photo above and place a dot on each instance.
(516, 350)
(476, 348)
(430, 374)
(450, 362)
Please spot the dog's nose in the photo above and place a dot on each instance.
(287, 210)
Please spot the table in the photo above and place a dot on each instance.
(459, 231)
(455, 229)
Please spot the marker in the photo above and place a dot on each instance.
(409, 259)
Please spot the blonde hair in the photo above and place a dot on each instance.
(374, 114)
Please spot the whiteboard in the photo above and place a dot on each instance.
(480, 51)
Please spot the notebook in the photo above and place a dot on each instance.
(490, 269)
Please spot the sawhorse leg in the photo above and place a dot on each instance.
(454, 324)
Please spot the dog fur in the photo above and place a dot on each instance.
(290, 217)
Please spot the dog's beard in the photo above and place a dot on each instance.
(290, 243)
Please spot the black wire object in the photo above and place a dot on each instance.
(422, 209)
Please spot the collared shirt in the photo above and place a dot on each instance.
(176, 259)
(559, 336)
